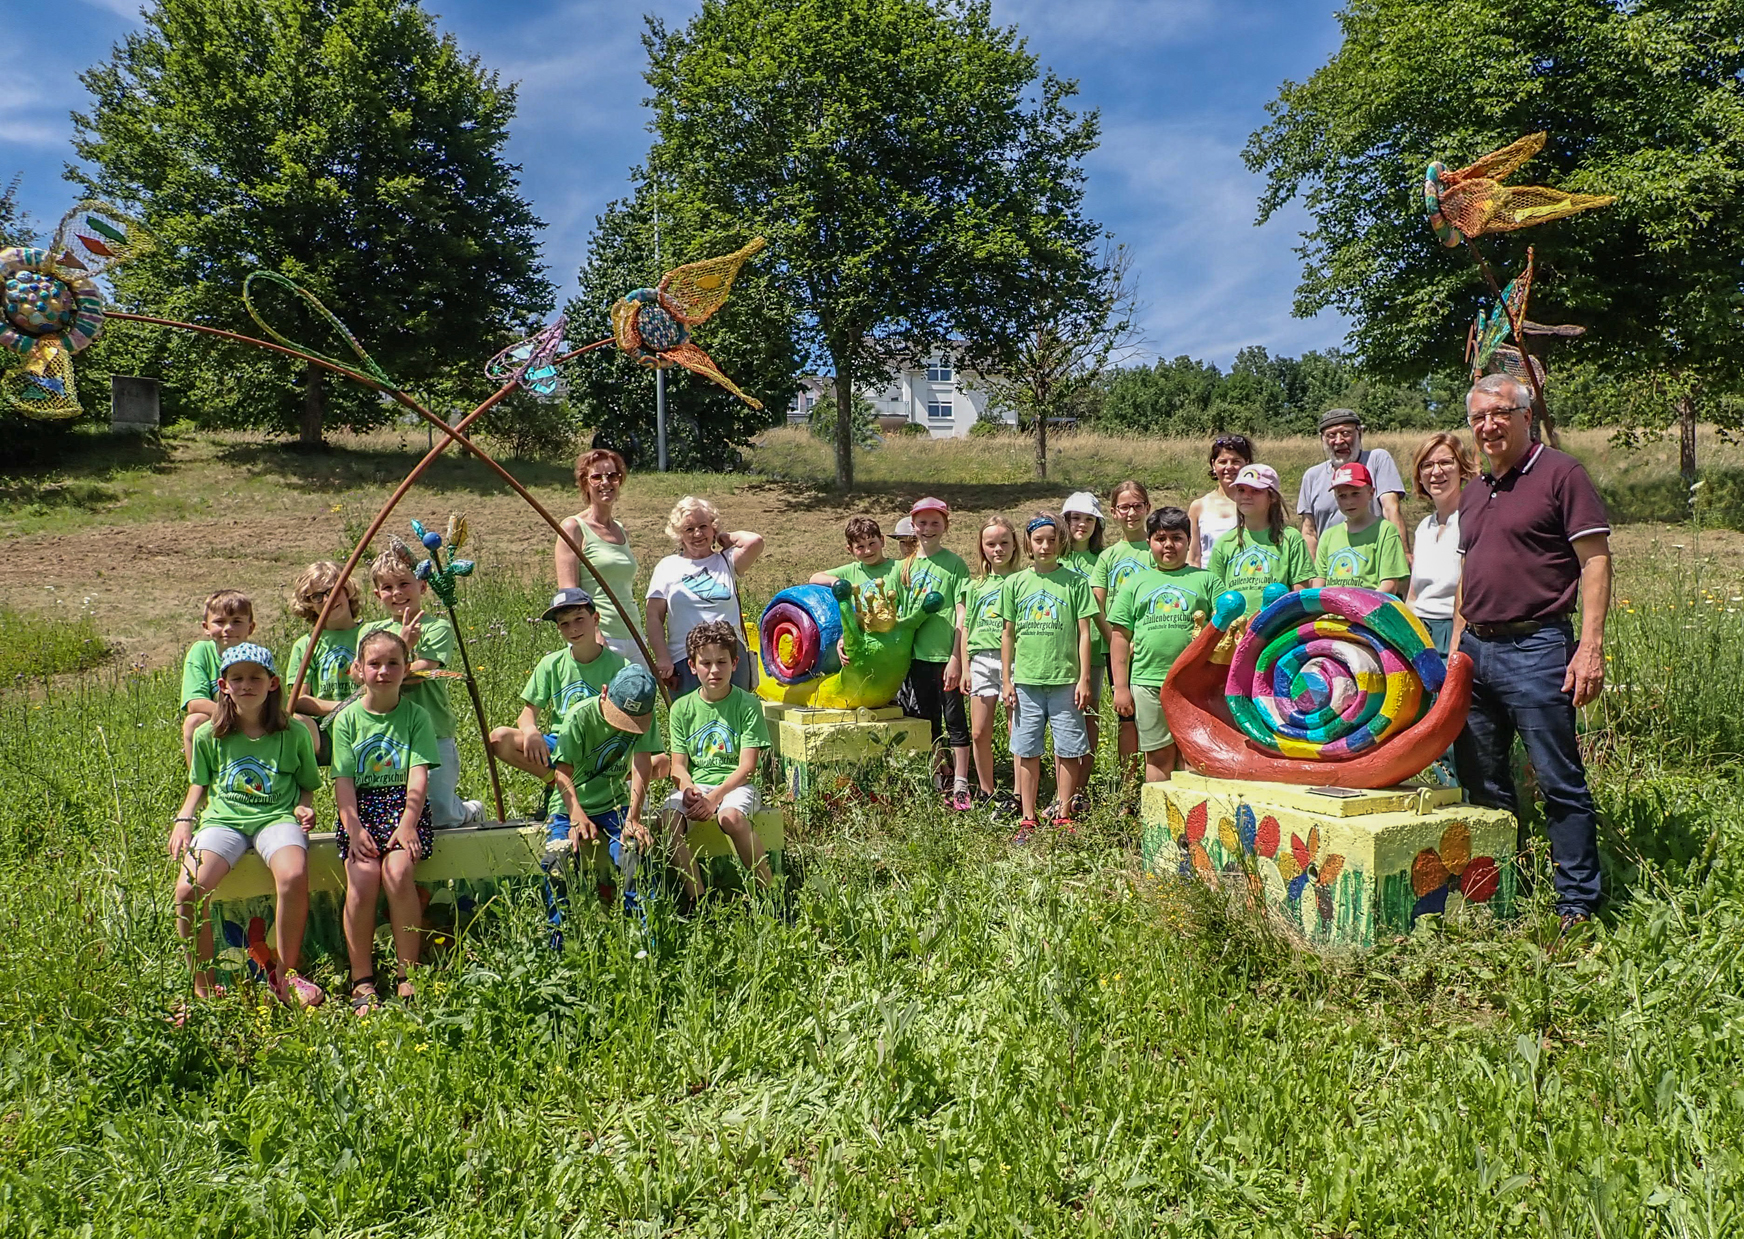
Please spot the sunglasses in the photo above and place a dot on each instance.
(614, 476)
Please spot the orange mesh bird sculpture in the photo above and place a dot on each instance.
(652, 325)
(1473, 200)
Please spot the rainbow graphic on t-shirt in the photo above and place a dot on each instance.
(246, 779)
(1120, 574)
(609, 752)
(714, 740)
(1166, 600)
(1255, 563)
(1040, 607)
(1346, 565)
(380, 757)
(572, 695)
(706, 586)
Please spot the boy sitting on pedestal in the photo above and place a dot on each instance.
(717, 735)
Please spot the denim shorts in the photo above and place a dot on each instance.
(1041, 704)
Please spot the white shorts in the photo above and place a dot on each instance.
(233, 845)
(743, 798)
(629, 649)
(985, 676)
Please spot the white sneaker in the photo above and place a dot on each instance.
(472, 812)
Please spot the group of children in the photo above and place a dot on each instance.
(373, 711)
(1095, 604)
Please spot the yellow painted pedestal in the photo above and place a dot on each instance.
(466, 868)
(808, 740)
(1336, 871)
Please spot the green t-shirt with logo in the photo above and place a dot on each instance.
(200, 672)
(713, 735)
(1044, 609)
(379, 750)
(865, 579)
(936, 638)
(1083, 564)
(559, 683)
(983, 627)
(598, 756)
(1248, 561)
(435, 644)
(330, 669)
(251, 784)
(1156, 606)
(1366, 557)
(1117, 563)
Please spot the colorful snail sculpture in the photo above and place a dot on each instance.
(798, 637)
(1324, 686)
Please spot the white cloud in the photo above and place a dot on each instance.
(1053, 22)
(121, 8)
(44, 134)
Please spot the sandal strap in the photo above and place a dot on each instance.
(357, 981)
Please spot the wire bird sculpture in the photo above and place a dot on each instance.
(652, 325)
(53, 309)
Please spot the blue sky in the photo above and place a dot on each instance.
(1180, 84)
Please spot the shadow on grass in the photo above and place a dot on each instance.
(74, 468)
(1639, 497)
(333, 470)
(880, 497)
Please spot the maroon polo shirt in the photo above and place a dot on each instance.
(1517, 533)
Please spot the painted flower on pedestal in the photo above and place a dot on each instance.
(1444, 878)
(1188, 832)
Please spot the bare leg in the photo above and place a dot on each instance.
(404, 912)
(960, 761)
(505, 743)
(740, 829)
(1160, 764)
(1029, 777)
(1072, 771)
(363, 880)
(290, 870)
(981, 735)
(1128, 746)
(193, 898)
(682, 857)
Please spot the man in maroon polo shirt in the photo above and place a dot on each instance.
(1534, 539)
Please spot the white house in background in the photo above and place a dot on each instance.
(944, 399)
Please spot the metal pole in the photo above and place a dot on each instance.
(659, 375)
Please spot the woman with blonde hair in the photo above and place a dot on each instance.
(1439, 473)
(697, 585)
(599, 475)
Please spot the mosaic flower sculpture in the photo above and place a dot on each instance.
(1473, 201)
(53, 308)
(653, 325)
(432, 571)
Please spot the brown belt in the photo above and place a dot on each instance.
(1518, 628)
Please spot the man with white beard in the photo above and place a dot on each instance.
(1341, 436)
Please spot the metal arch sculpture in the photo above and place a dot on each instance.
(368, 374)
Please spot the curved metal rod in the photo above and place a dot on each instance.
(450, 434)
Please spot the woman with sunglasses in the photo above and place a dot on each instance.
(599, 475)
(1213, 514)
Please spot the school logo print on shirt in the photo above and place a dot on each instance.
(1120, 574)
(1039, 612)
(380, 757)
(335, 662)
(1166, 601)
(707, 586)
(606, 755)
(1254, 563)
(246, 779)
(989, 609)
(572, 695)
(1348, 564)
(714, 740)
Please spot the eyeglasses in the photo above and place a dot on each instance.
(613, 476)
(1128, 509)
(1498, 415)
(1439, 466)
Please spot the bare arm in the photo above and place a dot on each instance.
(567, 565)
(182, 829)
(1310, 535)
(1120, 657)
(1193, 510)
(1586, 670)
(1081, 697)
(1458, 613)
(1393, 510)
(821, 578)
(1008, 690)
(1101, 617)
(743, 547)
(663, 666)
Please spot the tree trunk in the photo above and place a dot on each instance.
(844, 423)
(1686, 425)
(1042, 443)
(314, 406)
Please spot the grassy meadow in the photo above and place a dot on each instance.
(934, 1033)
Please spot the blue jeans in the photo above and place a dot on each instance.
(1517, 689)
(611, 825)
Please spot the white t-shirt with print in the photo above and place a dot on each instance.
(696, 591)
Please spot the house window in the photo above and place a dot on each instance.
(939, 371)
(939, 410)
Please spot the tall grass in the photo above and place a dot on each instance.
(938, 1035)
(33, 646)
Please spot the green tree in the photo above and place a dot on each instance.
(917, 180)
(1643, 100)
(751, 338)
(16, 227)
(342, 143)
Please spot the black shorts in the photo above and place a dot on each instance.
(923, 695)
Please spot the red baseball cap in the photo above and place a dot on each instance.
(1353, 474)
(929, 504)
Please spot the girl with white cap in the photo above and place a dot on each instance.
(1261, 550)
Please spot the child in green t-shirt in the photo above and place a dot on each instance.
(560, 682)
(1153, 619)
(1363, 550)
(1261, 550)
(260, 776)
(227, 618)
(1083, 513)
(981, 634)
(868, 567)
(716, 736)
(430, 638)
(1131, 503)
(604, 764)
(384, 750)
(328, 683)
(1045, 668)
(933, 689)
